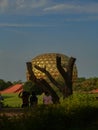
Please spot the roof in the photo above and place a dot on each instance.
(13, 89)
(94, 91)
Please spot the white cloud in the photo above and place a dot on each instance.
(24, 25)
(15, 25)
(16, 6)
(90, 8)
(3, 5)
(58, 7)
(20, 3)
(38, 3)
(74, 8)
(47, 6)
(24, 4)
(83, 19)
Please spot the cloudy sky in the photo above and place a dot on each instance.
(32, 27)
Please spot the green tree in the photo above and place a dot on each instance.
(4, 85)
(31, 86)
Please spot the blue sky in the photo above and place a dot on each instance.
(32, 27)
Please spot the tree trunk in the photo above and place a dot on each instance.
(67, 75)
(50, 77)
(42, 83)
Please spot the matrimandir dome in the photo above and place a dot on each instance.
(48, 60)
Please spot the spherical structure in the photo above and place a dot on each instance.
(48, 61)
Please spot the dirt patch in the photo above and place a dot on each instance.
(11, 112)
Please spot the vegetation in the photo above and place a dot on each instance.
(77, 112)
(31, 86)
(81, 84)
(11, 100)
(6, 84)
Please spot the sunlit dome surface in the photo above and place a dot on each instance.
(48, 60)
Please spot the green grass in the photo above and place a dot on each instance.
(77, 99)
(12, 100)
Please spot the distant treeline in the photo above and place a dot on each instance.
(5, 84)
(85, 84)
(81, 84)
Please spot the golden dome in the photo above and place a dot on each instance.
(48, 60)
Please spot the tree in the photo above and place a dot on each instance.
(31, 86)
(45, 86)
(4, 85)
(67, 76)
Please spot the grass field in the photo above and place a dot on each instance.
(12, 100)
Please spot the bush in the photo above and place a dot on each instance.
(79, 111)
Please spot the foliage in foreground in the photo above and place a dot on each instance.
(78, 112)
